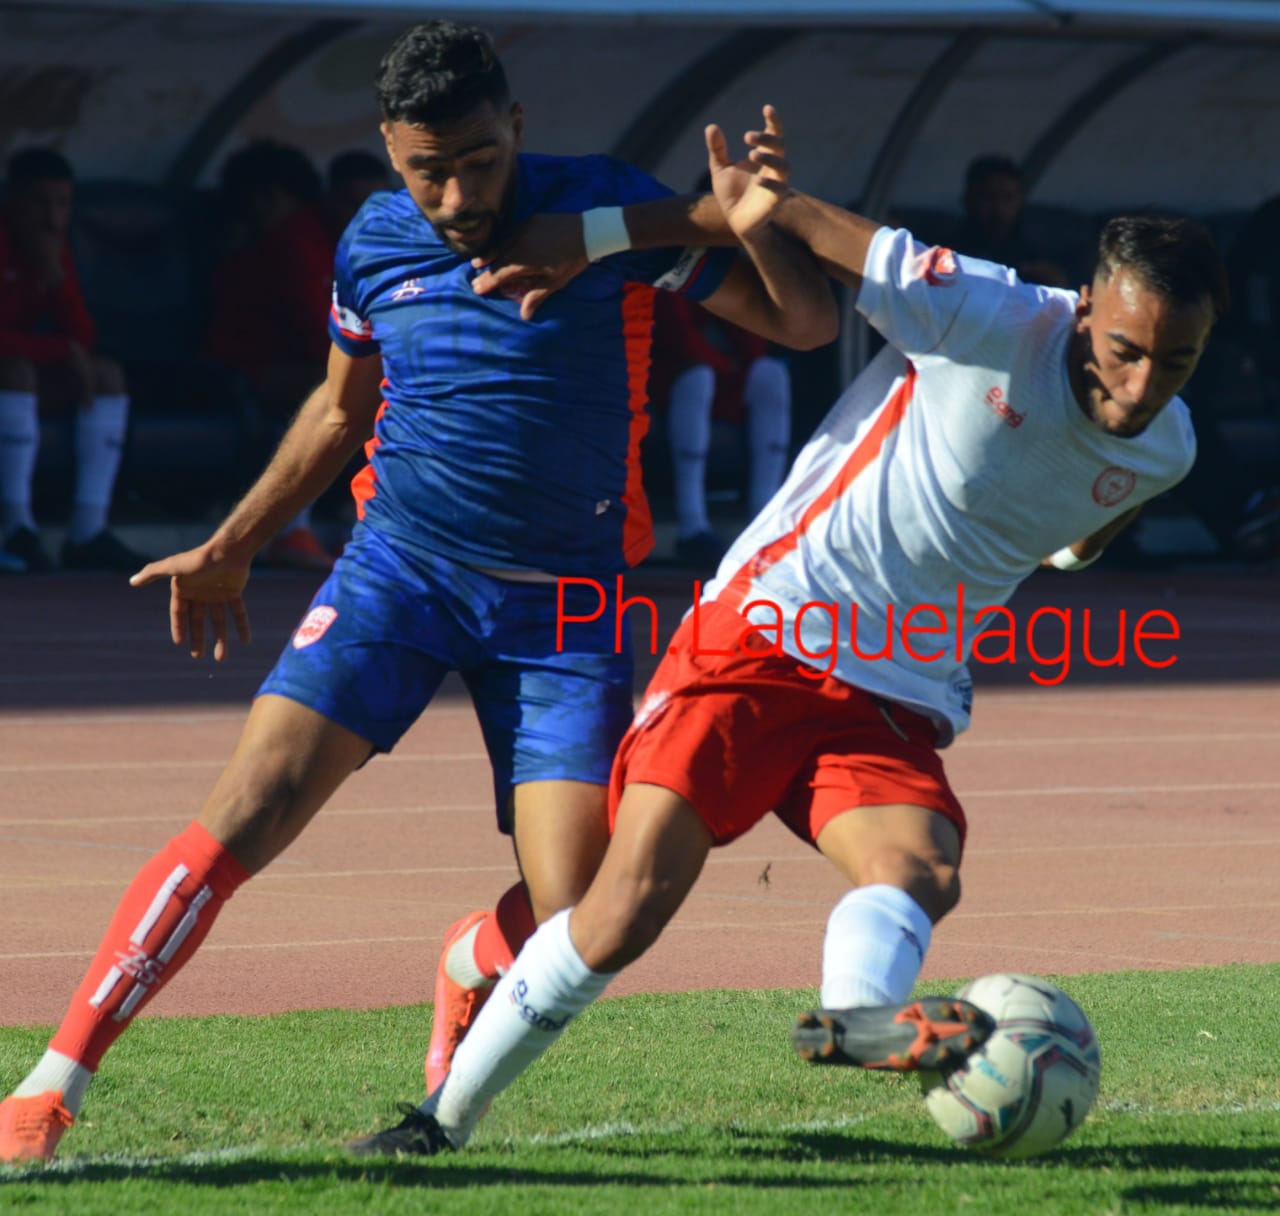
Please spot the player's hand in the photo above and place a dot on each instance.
(201, 584)
(540, 257)
(749, 190)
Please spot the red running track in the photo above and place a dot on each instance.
(1122, 819)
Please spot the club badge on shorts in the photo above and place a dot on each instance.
(314, 626)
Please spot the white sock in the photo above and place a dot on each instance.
(460, 961)
(56, 1071)
(19, 446)
(99, 440)
(876, 941)
(547, 987)
(689, 427)
(768, 399)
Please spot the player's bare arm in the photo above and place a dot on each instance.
(210, 579)
(1091, 546)
(839, 239)
(781, 293)
(548, 250)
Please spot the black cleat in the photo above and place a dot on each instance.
(933, 1033)
(416, 1135)
(25, 545)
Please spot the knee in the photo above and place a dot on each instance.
(17, 375)
(108, 377)
(932, 882)
(549, 895)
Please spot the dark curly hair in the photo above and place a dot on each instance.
(1172, 255)
(439, 71)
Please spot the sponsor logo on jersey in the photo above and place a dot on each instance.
(995, 398)
(1114, 485)
(314, 626)
(938, 267)
(408, 290)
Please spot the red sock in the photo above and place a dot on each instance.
(503, 932)
(165, 914)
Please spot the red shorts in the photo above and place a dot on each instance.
(745, 733)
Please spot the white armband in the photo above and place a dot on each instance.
(604, 231)
(1065, 559)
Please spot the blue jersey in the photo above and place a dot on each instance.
(505, 443)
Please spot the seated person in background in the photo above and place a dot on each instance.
(47, 363)
(269, 311)
(704, 367)
(1254, 266)
(992, 226)
(353, 176)
(1243, 515)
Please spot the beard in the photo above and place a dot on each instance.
(486, 222)
(495, 225)
(1126, 428)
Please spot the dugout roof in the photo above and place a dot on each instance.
(1106, 102)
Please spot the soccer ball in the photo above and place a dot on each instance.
(1031, 1083)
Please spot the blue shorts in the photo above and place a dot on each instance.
(389, 624)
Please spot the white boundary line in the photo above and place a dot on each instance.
(585, 1135)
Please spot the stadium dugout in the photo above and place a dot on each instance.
(1104, 104)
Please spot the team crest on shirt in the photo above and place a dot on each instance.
(1114, 485)
(938, 266)
(314, 626)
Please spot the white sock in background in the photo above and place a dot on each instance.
(100, 431)
(689, 427)
(547, 987)
(767, 394)
(19, 446)
(876, 941)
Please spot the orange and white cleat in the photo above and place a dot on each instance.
(455, 1009)
(30, 1128)
(932, 1033)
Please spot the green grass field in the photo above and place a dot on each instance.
(666, 1104)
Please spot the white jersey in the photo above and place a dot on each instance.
(939, 480)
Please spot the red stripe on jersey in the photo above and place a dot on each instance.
(637, 332)
(364, 485)
(735, 592)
